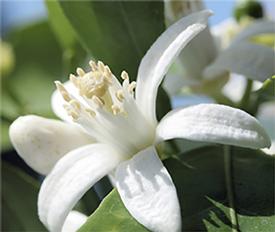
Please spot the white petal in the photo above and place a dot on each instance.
(41, 142)
(256, 28)
(74, 221)
(72, 176)
(213, 123)
(148, 192)
(160, 56)
(271, 150)
(251, 60)
(224, 31)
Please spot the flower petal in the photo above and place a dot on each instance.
(160, 56)
(72, 176)
(213, 123)
(251, 60)
(41, 142)
(148, 192)
(256, 28)
(74, 221)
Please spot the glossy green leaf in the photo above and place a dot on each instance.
(112, 216)
(246, 222)
(61, 27)
(19, 201)
(116, 32)
(73, 54)
(200, 178)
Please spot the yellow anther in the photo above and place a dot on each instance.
(93, 65)
(98, 101)
(74, 80)
(71, 112)
(74, 114)
(101, 66)
(124, 75)
(116, 109)
(119, 95)
(75, 104)
(132, 86)
(80, 72)
(108, 72)
(63, 91)
(90, 112)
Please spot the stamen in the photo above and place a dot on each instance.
(119, 95)
(71, 112)
(90, 112)
(93, 65)
(98, 101)
(116, 109)
(101, 66)
(124, 75)
(131, 87)
(80, 72)
(108, 72)
(74, 80)
(75, 104)
(62, 91)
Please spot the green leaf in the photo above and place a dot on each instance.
(36, 45)
(5, 140)
(19, 201)
(116, 32)
(247, 223)
(200, 179)
(112, 216)
(60, 25)
(73, 54)
(34, 87)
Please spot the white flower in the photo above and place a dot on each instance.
(126, 131)
(218, 52)
(244, 57)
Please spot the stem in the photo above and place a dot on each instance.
(222, 99)
(230, 188)
(244, 103)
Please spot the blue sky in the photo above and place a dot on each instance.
(22, 11)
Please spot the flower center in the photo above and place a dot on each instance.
(106, 109)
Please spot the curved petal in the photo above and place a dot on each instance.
(148, 192)
(41, 142)
(256, 28)
(251, 60)
(74, 221)
(159, 57)
(213, 123)
(72, 176)
(271, 150)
